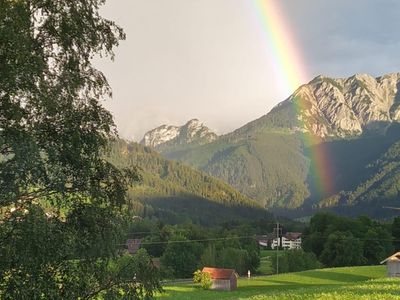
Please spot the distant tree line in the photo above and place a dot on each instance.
(184, 248)
(295, 261)
(341, 241)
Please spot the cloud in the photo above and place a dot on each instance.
(186, 58)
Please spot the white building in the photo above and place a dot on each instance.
(290, 240)
(275, 242)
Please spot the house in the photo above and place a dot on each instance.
(276, 242)
(222, 279)
(132, 245)
(263, 240)
(289, 241)
(393, 265)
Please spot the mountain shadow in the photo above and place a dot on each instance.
(198, 210)
(349, 160)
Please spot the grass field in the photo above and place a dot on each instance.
(267, 258)
(367, 282)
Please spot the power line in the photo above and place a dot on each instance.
(253, 237)
(183, 229)
(196, 240)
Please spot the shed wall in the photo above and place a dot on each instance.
(221, 284)
(393, 268)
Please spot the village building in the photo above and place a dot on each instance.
(289, 241)
(393, 265)
(263, 240)
(222, 279)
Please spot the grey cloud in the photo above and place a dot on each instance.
(207, 59)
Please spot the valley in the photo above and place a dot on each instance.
(337, 128)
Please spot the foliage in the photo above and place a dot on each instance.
(203, 278)
(60, 200)
(184, 248)
(267, 166)
(377, 244)
(233, 258)
(342, 241)
(295, 261)
(342, 249)
(46, 257)
(138, 272)
(209, 257)
(175, 193)
(396, 232)
(53, 130)
(181, 256)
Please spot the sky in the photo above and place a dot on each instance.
(210, 60)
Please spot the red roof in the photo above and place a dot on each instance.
(217, 273)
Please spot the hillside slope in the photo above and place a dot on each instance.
(270, 160)
(174, 191)
(379, 189)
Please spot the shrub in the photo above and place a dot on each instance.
(203, 278)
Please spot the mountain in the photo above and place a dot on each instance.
(336, 107)
(352, 120)
(174, 192)
(378, 191)
(166, 136)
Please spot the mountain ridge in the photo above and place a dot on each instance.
(176, 191)
(269, 160)
(192, 132)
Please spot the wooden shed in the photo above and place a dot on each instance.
(393, 265)
(222, 279)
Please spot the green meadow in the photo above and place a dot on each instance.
(267, 258)
(366, 282)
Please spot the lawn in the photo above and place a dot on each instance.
(367, 282)
(267, 258)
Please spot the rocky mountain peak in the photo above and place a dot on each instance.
(159, 135)
(194, 131)
(194, 122)
(346, 106)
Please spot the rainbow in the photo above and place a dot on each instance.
(291, 73)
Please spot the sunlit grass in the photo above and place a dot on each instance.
(337, 283)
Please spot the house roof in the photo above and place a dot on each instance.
(292, 235)
(217, 273)
(266, 237)
(394, 257)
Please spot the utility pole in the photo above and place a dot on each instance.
(277, 247)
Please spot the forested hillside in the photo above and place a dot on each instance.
(380, 188)
(176, 192)
(351, 122)
(268, 166)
